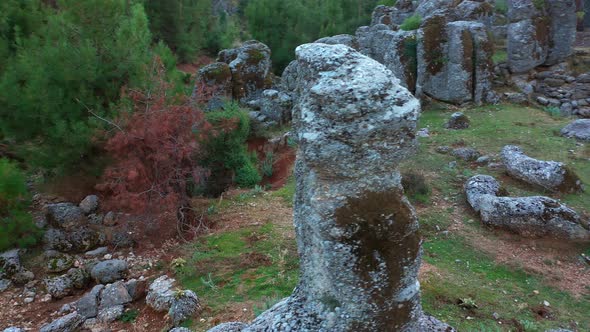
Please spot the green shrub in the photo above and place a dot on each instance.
(411, 23)
(16, 224)
(226, 151)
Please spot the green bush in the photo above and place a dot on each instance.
(64, 78)
(16, 224)
(411, 23)
(226, 150)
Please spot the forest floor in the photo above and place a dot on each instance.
(249, 259)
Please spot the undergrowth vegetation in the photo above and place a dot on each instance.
(16, 224)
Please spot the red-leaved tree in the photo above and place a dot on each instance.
(155, 152)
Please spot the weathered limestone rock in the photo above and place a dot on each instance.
(65, 215)
(578, 129)
(458, 120)
(563, 30)
(89, 204)
(250, 67)
(87, 305)
(480, 11)
(528, 35)
(180, 304)
(393, 16)
(427, 8)
(276, 106)
(397, 50)
(356, 232)
(533, 216)
(11, 268)
(550, 175)
(113, 295)
(215, 76)
(229, 327)
(109, 271)
(347, 40)
(67, 323)
(454, 61)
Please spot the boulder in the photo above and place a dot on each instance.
(180, 304)
(67, 323)
(98, 252)
(533, 216)
(13, 329)
(480, 11)
(527, 44)
(114, 294)
(458, 120)
(184, 306)
(216, 76)
(392, 16)
(89, 204)
(427, 8)
(467, 154)
(65, 215)
(110, 314)
(563, 30)
(5, 284)
(87, 305)
(11, 268)
(578, 129)
(136, 288)
(84, 239)
(276, 106)
(79, 277)
(454, 61)
(109, 271)
(250, 67)
(59, 263)
(551, 175)
(161, 294)
(56, 239)
(59, 287)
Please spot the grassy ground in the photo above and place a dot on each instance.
(240, 271)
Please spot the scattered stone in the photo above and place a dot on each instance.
(13, 329)
(22, 277)
(97, 252)
(578, 129)
(516, 97)
(467, 154)
(59, 287)
(5, 284)
(483, 160)
(180, 329)
(114, 294)
(28, 300)
(56, 239)
(87, 305)
(184, 306)
(67, 323)
(424, 132)
(136, 288)
(550, 175)
(110, 219)
(59, 263)
(160, 294)
(458, 120)
(532, 216)
(65, 215)
(122, 239)
(84, 239)
(109, 271)
(89, 204)
(11, 268)
(443, 149)
(110, 314)
(95, 219)
(79, 277)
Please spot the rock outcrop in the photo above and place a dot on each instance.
(250, 68)
(578, 129)
(534, 216)
(551, 175)
(356, 232)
